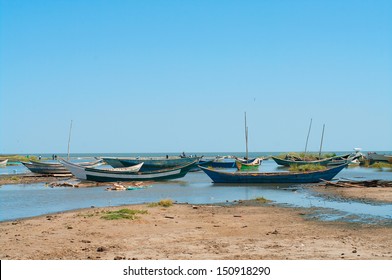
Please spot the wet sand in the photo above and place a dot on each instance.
(381, 194)
(250, 230)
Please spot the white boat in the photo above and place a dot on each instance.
(114, 175)
(51, 168)
(3, 163)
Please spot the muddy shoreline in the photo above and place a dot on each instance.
(245, 230)
(249, 230)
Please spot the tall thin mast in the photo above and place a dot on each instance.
(321, 144)
(307, 138)
(69, 139)
(246, 138)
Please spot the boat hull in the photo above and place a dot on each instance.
(273, 177)
(248, 165)
(99, 175)
(218, 164)
(150, 164)
(379, 157)
(3, 163)
(53, 168)
(286, 162)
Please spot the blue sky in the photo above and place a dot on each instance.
(173, 76)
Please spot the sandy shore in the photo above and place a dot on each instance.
(250, 230)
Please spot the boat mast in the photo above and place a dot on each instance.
(321, 144)
(307, 138)
(246, 138)
(69, 139)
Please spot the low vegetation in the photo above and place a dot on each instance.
(381, 165)
(309, 156)
(163, 203)
(306, 167)
(262, 200)
(17, 158)
(124, 213)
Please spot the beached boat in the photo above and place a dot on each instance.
(379, 157)
(292, 161)
(339, 160)
(46, 169)
(3, 163)
(150, 163)
(52, 168)
(105, 175)
(218, 176)
(218, 162)
(248, 164)
(336, 160)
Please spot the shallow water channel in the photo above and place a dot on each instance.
(21, 201)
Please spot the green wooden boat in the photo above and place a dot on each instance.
(336, 160)
(248, 165)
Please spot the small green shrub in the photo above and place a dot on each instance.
(309, 156)
(306, 167)
(381, 165)
(262, 200)
(163, 203)
(124, 213)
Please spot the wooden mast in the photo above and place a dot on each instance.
(246, 138)
(307, 138)
(321, 144)
(69, 139)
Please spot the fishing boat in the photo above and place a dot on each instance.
(52, 168)
(248, 164)
(107, 175)
(349, 158)
(372, 156)
(150, 163)
(218, 162)
(291, 161)
(218, 176)
(3, 163)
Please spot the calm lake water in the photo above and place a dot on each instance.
(21, 201)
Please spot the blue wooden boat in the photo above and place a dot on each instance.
(150, 163)
(107, 175)
(218, 162)
(272, 177)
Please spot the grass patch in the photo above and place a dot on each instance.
(306, 167)
(262, 200)
(163, 203)
(17, 158)
(381, 165)
(124, 213)
(309, 156)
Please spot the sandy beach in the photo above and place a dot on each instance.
(249, 230)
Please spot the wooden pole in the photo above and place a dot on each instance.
(321, 144)
(246, 138)
(307, 138)
(69, 139)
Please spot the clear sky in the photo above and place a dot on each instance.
(173, 76)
